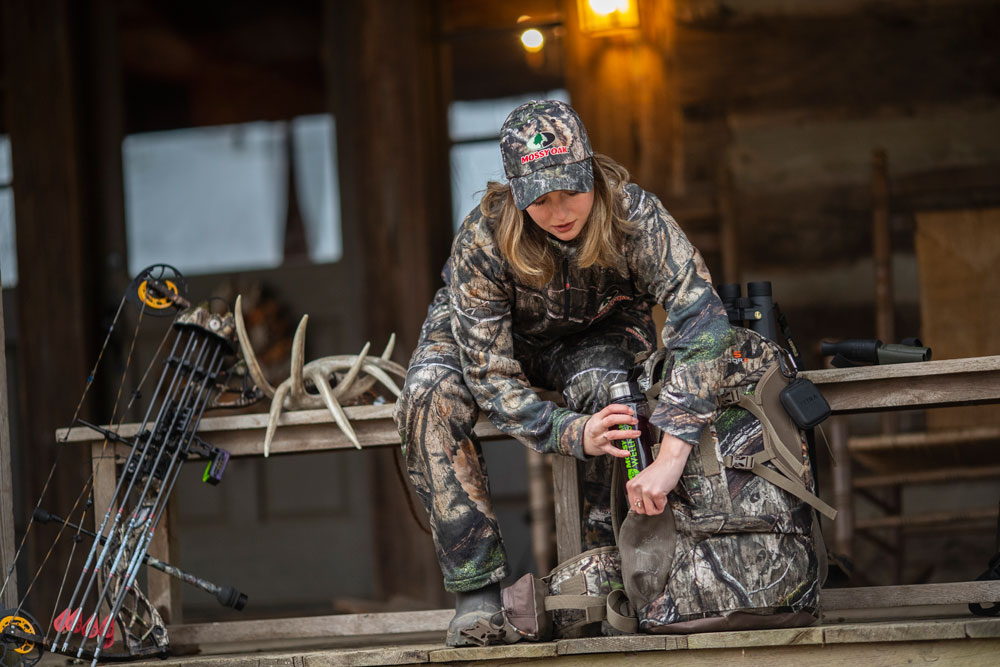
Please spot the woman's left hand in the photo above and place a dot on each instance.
(647, 491)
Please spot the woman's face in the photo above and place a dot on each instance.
(562, 213)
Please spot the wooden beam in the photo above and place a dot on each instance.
(928, 476)
(910, 596)
(980, 434)
(819, 61)
(900, 386)
(928, 519)
(311, 626)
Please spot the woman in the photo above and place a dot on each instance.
(550, 283)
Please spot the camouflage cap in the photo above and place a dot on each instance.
(545, 147)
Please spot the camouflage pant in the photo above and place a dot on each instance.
(436, 415)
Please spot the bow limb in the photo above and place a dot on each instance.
(334, 407)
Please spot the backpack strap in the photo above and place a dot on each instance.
(782, 446)
(621, 615)
(594, 607)
(792, 486)
(613, 608)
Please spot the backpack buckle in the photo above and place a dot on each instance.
(742, 462)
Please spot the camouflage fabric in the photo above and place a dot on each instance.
(596, 572)
(436, 414)
(742, 542)
(488, 339)
(492, 314)
(545, 147)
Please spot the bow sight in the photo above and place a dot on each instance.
(104, 608)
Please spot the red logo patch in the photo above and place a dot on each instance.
(558, 150)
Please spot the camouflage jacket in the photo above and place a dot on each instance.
(491, 312)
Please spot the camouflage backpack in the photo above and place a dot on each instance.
(738, 546)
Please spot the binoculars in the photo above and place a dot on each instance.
(756, 310)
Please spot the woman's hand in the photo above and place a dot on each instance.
(647, 491)
(601, 433)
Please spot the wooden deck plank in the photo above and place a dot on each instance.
(967, 640)
(856, 633)
(339, 625)
(627, 643)
(757, 638)
(982, 628)
(519, 651)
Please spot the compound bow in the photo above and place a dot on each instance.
(106, 615)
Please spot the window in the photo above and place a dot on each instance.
(474, 128)
(215, 199)
(8, 246)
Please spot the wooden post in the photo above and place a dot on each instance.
(882, 249)
(385, 89)
(56, 313)
(885, 318)
(541, 510)
(625, 89)
(843, 500)
(9, 599)
(566, 489)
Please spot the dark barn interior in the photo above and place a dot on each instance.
(848, 151)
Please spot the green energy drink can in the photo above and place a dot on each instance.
(640, 450)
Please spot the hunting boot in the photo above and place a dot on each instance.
(478, 619)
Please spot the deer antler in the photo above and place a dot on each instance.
(336, 379)
(253, 366)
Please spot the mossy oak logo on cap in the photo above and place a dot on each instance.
(541, 140)
(539, 144)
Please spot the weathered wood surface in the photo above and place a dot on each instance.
(301, 431)
(566, 494)
(901, 386)
(910, 596)
(982, 514)
(312, 626)
(958, 260)
(401, 623)
(969, 641)
(848, 390)
(928, 476)
(959, 436)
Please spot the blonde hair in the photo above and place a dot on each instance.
(526, 246)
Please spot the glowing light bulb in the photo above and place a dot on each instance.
(532, 40)
(604, 7)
